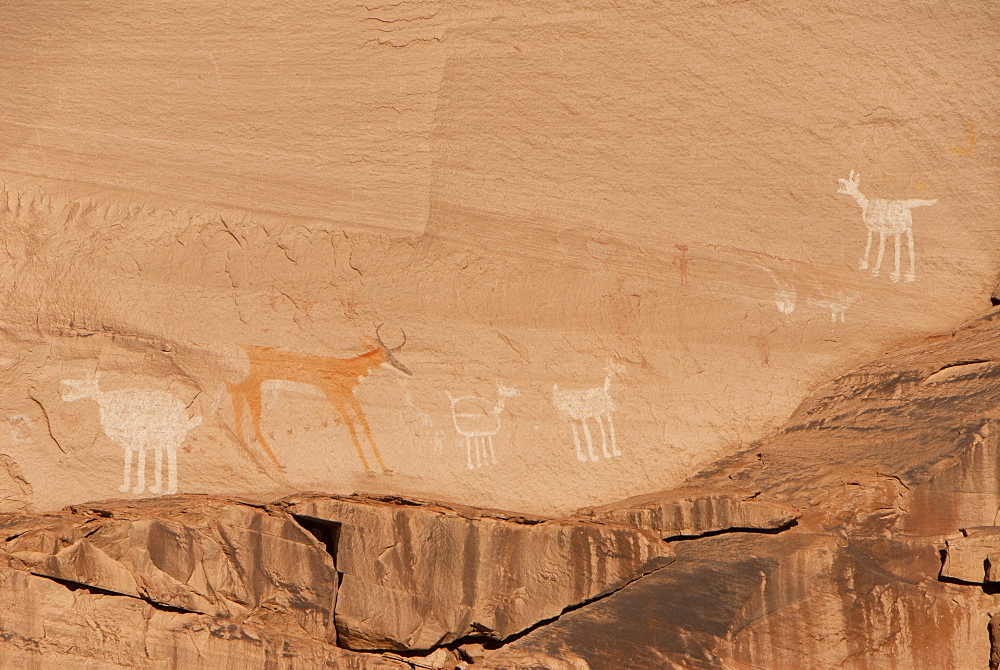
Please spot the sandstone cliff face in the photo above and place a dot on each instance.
(894, 471)
(179, 582)
(859, 536)
(627, 212)
(548, 257)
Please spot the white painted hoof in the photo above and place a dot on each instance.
(910, 276)
(894, 276)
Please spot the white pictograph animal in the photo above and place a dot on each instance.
(478, 422)
(838, 306)
(596, 403)
(427, 423)
(138, 420)
(885, 217)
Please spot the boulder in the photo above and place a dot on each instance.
(417, 575)
(235, 561)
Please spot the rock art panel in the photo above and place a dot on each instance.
(174, 184)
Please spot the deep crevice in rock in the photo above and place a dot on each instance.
(492, 644)
(327, 532)
(734, 529)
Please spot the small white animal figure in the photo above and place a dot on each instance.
(886, 217)
(785, 301)
(478, 422)
(838, 306)
(137, 420)
(578, 406)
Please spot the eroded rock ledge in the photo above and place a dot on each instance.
(187, 581)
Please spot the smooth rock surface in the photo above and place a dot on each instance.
(417, 574)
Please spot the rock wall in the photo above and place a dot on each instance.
(862, 535)
(611, 241)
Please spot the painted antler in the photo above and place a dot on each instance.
(389, 358)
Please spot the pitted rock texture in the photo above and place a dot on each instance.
(417, 575)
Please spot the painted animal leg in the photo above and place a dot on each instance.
(576, 440)
(356, 406)
(350, 429)
(611, 427)
(590, 442)
(468, 451)
(140, 470)
(127, 476)
(895, 275)
(863, 265)
(912, 274)
(172, 469)
(604, 437)
(255, 405)
(493, 454)
(881, 252)
(157, 475)
(480, 452)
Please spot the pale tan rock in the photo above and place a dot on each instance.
(15, 490)
(693, 512)
(418, 575)
(236, 561)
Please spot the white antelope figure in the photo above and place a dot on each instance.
(137, 420)
(478, 422)
(579, 406)
(885, 217)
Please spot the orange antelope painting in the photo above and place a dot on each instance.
(336, 377)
